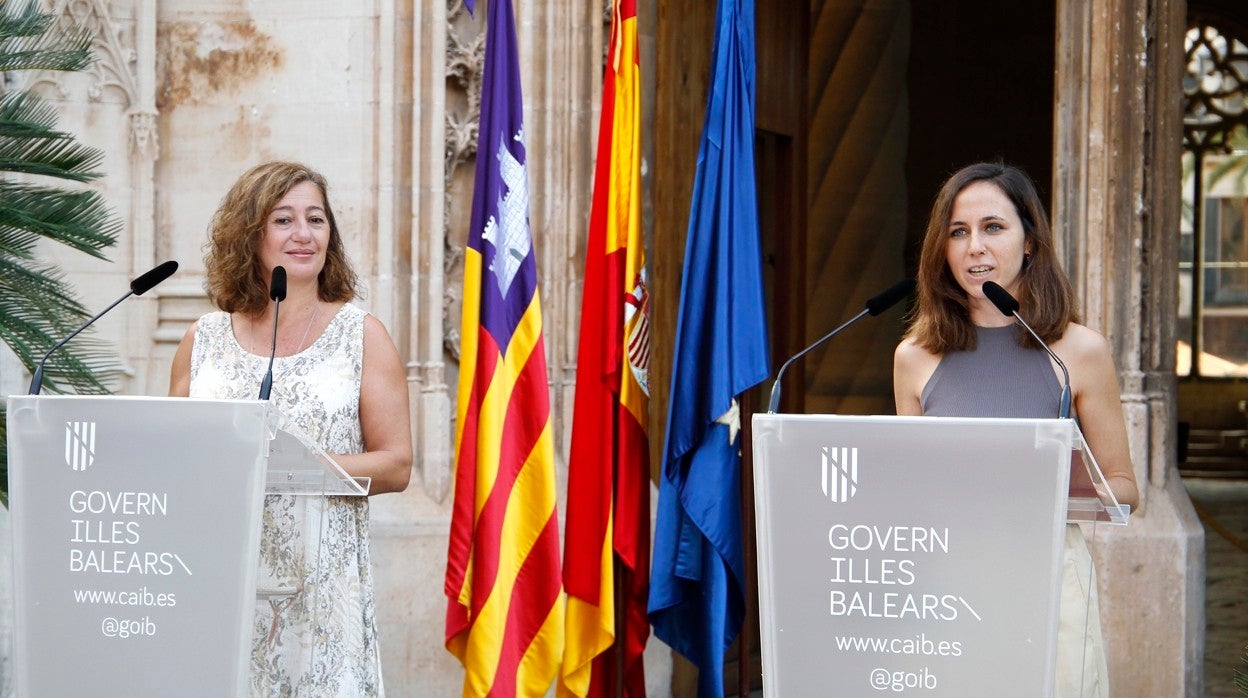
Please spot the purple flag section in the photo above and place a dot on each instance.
(500, 202)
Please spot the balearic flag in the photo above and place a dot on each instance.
(697, 589)
(609, 466)
(504, 616)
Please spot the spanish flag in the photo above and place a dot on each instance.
(505, 606)
(608, 468)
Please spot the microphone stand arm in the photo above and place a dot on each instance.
(1063, 408)
(266, 385)
(36, 380)
(774, 402)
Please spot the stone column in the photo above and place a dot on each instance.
(1116, 214)
(144, 151)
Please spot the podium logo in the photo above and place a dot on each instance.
(79, 445)
(840, 473)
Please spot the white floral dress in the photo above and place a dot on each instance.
(315, 631)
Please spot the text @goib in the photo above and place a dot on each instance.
(121, 628)
(898, 681)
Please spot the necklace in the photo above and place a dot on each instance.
(316, 309)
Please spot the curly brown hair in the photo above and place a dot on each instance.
(941, 321)
(235, 279)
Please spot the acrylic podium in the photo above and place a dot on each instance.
(916, 554)
(136, 526)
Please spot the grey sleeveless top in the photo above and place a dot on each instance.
(998, 378)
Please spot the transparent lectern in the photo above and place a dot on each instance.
(917, 554)
(136, 523)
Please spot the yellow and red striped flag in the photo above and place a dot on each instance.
(609, 469)
(505, 606)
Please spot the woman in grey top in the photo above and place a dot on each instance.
(962, 357)
(987, 224)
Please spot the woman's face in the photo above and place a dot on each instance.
(986, 241)
(296, 234)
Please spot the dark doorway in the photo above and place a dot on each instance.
(981, 88)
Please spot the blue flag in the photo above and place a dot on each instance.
(697, 596)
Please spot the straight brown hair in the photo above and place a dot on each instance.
(941, 320)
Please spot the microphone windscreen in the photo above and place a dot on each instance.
(888, 297)
(277, 287)
(151, 277)
(1000, 298)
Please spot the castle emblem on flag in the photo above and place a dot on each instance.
(840, 473)
(79, 445)
(509, 231)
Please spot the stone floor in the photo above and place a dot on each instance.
(1222, 504)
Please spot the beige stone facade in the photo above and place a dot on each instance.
(380, 98)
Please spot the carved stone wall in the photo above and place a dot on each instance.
(1116, 193)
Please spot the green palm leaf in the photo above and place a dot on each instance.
(37, 305)
(78, 219)
(26, 44)
(39, 309)
(31, 146)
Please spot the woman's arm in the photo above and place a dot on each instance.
(912, 367)
(384, 419)
(1098, 404)
(180, 371)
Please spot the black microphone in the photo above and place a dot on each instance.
(277, 292)
(875, 305)
(142, 284)
(1008, 306)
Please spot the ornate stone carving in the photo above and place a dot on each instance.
(1215, 88)
(115, 67)
(465, 60)
(113, 46)
(143, 139)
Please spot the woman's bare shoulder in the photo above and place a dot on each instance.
(913, 363)
(910, 352)
(1083, 343)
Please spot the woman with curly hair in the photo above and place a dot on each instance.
(339, 380)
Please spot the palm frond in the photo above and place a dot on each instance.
(37, 309)
(37, 306)
(26, 43)
(24, 19)
(26, 115)
(31, 146)
(79, 219)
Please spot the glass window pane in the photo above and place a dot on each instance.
(1213, 243)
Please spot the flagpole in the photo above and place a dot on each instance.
(621, 629)
(747, 543)
(618, 645)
